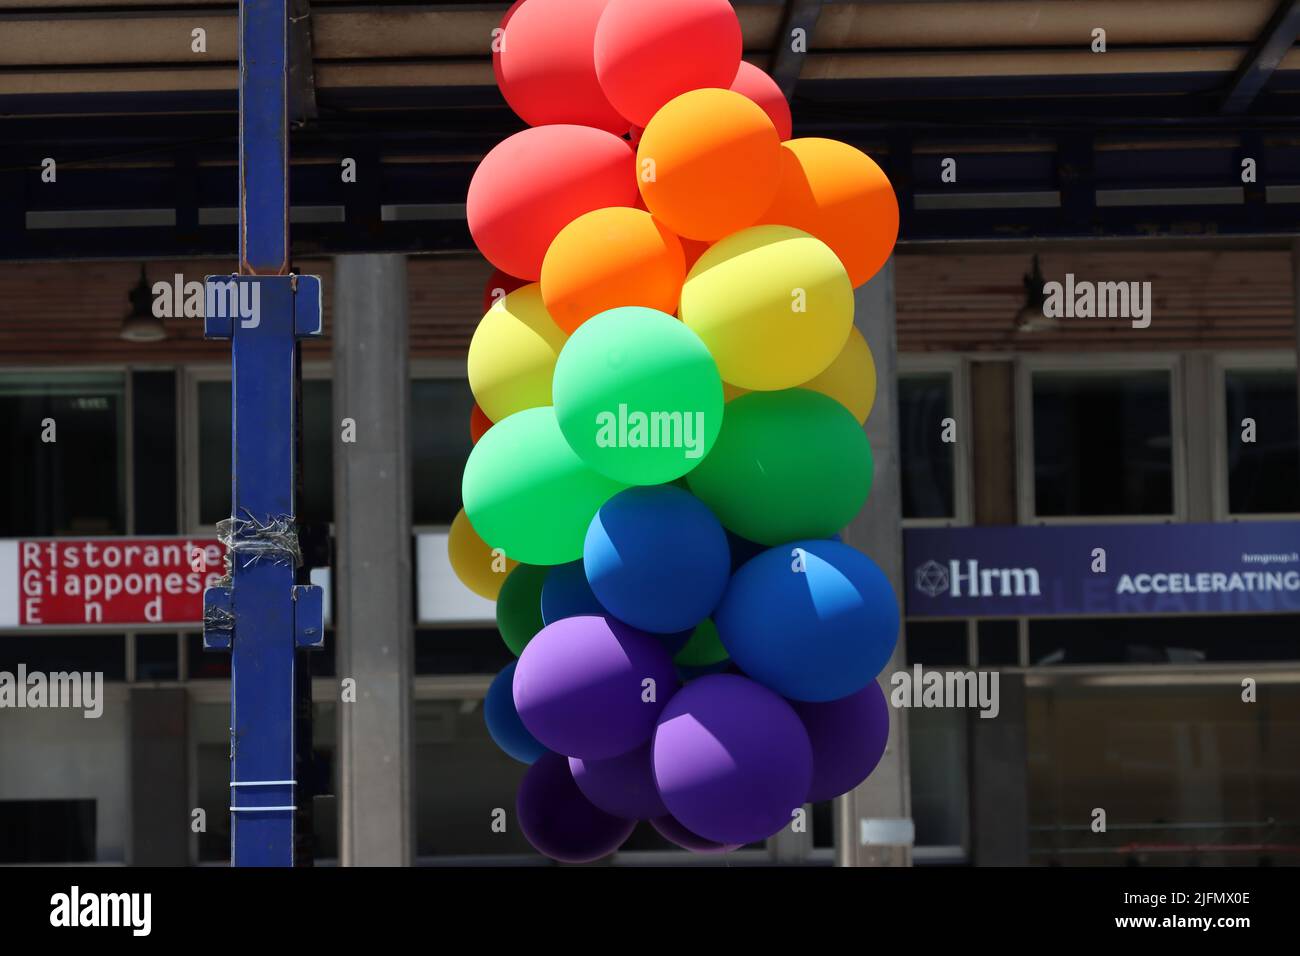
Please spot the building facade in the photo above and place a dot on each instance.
(1088, 422)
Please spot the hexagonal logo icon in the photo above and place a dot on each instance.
(932, 578)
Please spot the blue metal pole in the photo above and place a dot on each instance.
(259, 613)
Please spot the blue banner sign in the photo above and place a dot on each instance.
(1250, 567)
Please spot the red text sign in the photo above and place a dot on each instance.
(124, 581)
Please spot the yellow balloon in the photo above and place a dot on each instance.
(473, 561)
(513, 352)
(850, 379)
(773, 304)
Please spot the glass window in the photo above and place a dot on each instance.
(156, 657)
(461, 779)
(105, 653)
(467, 650)
(316, 502)
(440, 444)
(1263, 453)
(1187, 774)
(1165, 640)
(1102, 443)
(999, 643)
(937, 750)
(201, 664)
(47, 831)
(927, 462)
(935, 644)
(63, 438)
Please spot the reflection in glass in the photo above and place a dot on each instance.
(1187, 775)
(1263, 474)
(74, 484)
(926, 460)
(1102, 443)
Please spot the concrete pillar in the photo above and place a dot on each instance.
(159, 789)
(999, 761)
(372, 579)
(883, 803)
(999, 748)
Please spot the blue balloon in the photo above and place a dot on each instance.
(813, 620)
(503, 723)
(566, 593)
(657, 558)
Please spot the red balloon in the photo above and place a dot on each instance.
(545, 67)
(479, 423)
(533, 184)
(752, 82)
(500, 285)
(497, 34)
(649, 52)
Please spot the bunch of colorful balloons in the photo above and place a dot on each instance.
(670, 394)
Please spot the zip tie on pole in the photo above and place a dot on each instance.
(264, 783)
(275, 539)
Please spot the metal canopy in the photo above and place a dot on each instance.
(1050, 139)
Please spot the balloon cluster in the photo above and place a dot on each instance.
(669, 399)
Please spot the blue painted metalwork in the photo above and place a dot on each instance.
(261, 612)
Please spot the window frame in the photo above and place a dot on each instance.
(956, 367)
(1100, 364)
(1276, 360)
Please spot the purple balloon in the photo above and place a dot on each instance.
(848, 739)
(673, 831)
(622, 785)
(559, 821)
(732, 759)
(578, 686)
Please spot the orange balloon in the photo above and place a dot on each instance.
(708, 164)
(479, 423)
(838, 194)
(609, 258)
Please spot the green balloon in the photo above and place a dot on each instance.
(704, 647)
(527, 493)
(788, 465)
(519, 606)
(638, 395)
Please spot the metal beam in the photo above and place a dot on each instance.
(1263, 57)
(264, 612)
(788, 55)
